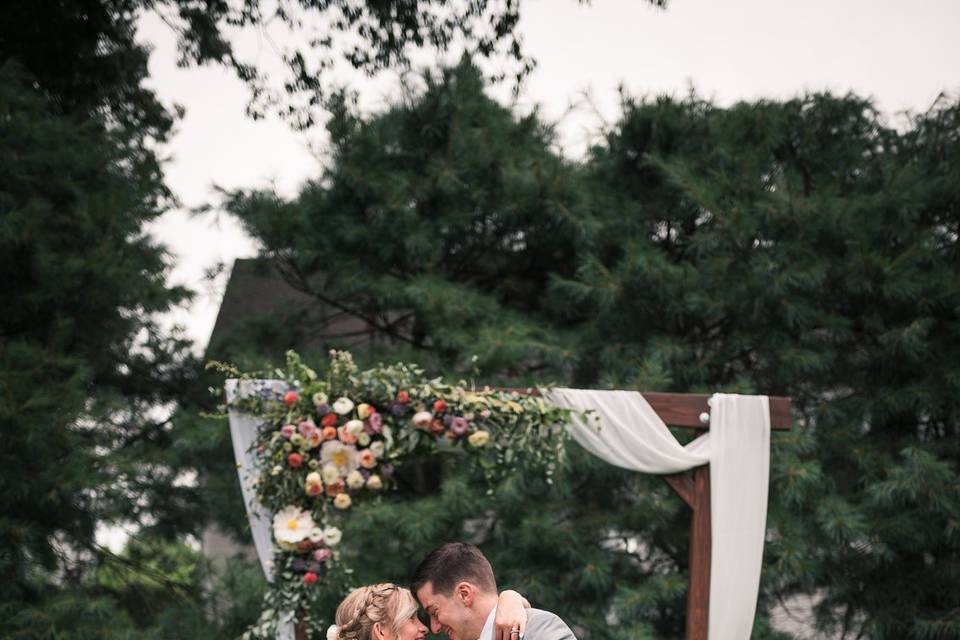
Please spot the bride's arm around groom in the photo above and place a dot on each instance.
(456, 587)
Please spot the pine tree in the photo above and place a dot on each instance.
(804, 249)
(433, 223)
(82, 360)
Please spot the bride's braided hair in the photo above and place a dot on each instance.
(384, 603)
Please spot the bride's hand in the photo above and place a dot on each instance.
(511, 615)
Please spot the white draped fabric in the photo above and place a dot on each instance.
(622, 429)
(243, 432)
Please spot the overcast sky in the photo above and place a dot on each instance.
(900, 54)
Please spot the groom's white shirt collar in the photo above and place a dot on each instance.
(487, 632)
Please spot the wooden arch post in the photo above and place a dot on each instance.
(684, 410)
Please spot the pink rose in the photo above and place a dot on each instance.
(422, 419)
(374, 424)
(322, 555)
(459, 426)
(288, 430)
(307, 428)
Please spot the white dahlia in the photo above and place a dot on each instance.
(339, 455)
(292, 525)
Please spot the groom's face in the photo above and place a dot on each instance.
(448, 614)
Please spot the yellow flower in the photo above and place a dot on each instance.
(374, 483)
(479, 438)
(364, 411)
(342, 501)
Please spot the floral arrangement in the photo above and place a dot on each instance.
(329, 442)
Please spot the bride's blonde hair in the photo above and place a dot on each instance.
(384, 603)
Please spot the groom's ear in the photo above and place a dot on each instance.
(465, 593)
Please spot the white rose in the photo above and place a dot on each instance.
(355, 480)
(330, 474)
(343, 406)
(342, 501)
(354, 427)
(316, 535)
(332, 536)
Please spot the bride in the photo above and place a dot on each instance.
(389, 612)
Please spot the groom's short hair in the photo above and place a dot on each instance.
(452, 563)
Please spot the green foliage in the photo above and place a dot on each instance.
(85, 55)
(82, 360)
(83, 364)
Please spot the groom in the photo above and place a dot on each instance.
(456, 586)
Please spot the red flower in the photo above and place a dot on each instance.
(439, 406)
(403, 397)
(295, 460)
(310, 578)
(290, 398)
(329, 420)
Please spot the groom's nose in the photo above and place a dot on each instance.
(434, 625)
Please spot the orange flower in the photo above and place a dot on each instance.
(335, 488)
(329, 433)
(367, 459)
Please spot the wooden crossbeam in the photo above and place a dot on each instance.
(684, 409)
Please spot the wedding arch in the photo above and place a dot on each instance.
(283, 454)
